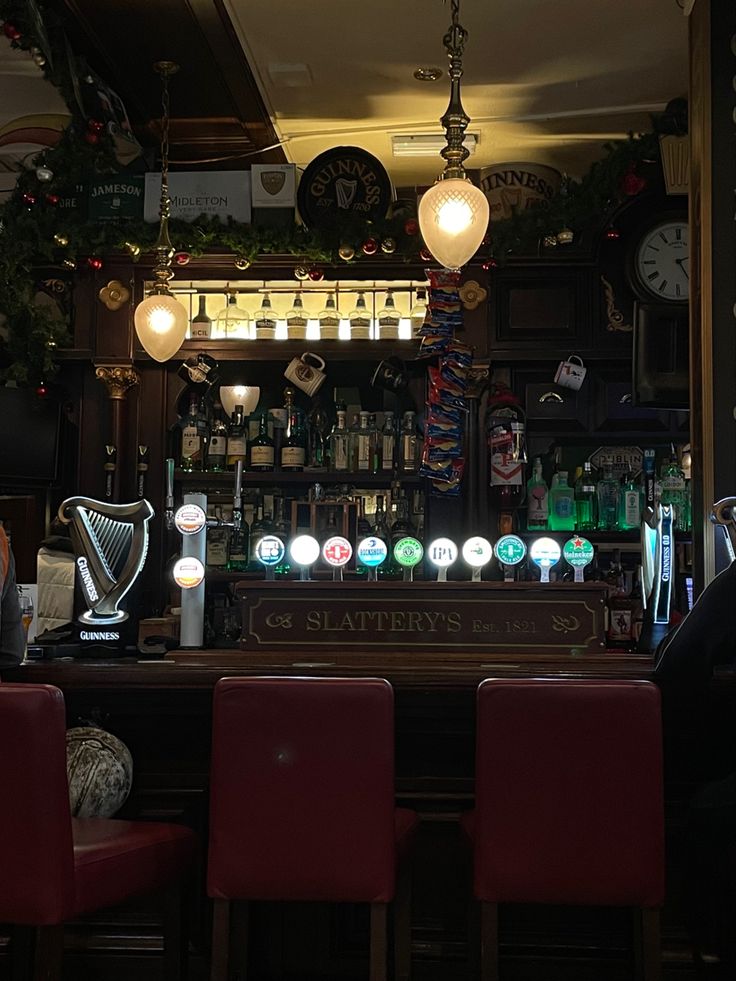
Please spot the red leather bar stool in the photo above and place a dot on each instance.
(302, 808)
(569, 805)
(54, 867)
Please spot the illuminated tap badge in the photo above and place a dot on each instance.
(578, 552)
(442, 552)
(304, 550)
(337, 551)
(270, 550)
(372, 552)
(510, 550)
(190, 519)
(477, 551)
(408, 552)
(545, 552)
(188, 572)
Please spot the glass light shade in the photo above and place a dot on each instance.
(245, 395)
(161, 323)
(453, 218)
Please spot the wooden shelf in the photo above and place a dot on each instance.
(328, 477)
(239, 350)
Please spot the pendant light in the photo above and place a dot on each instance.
(161, 321)
(453, 214)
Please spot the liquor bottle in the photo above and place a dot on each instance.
(585, 500)
(418, 313)
(261, 526)
(265, 320)
(233, 321)
(672, 480)
(388, 443)
(261, 447)
(293, 452)
(217, 544)
(360, 320)
(506, 441)
(376, 443)
(317, 425)
(607, 491)
(629, 504)
(353, 435)
(329, 321)
(239, 551)
(388, 320)
(409, 445)
(338, 441)
(296, 320)
(380, 521)
(201, 324)
(282, 528)
(192, 438)
(537, 499)
(364, 457)
(236, 441)
(217, 455)
(561, 504)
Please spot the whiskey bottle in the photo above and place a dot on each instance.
(338, 441)
(265, 320)
(201, 328)
(292, 449)
(329, 321)
(233, 321)
(388, 320)
(193, 437)
(262, 448)
(236, 441)
(296, 320)
(364, 458)
(388, 443)
(408, 455)
(418, 313)
(217, 456)
(360, 321)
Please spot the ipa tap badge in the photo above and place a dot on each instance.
(345, 180)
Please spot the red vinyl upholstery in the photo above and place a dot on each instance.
(569, 803)
(53, 867)
(306, 765)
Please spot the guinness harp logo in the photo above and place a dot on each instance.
(273, 181)
(345, 192)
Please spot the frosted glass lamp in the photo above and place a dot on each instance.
(245, 395)
(161, 323)
(453, 218)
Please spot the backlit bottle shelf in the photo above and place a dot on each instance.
(199, 478)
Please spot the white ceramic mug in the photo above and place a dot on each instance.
(306, 372)
(571, 373)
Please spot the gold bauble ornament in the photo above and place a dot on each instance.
(133, 248)
(388, 245)
(241, 262)
(301, 273)
(346, 252)
(566, 236)
(61, 240)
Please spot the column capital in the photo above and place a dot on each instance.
(117, 379)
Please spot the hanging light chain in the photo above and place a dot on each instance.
(455, 119)
(163, 247)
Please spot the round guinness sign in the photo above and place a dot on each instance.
(344, 181)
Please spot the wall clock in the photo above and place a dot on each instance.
(660, 261)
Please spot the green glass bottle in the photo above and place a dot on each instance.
(561, 504)
(585, 499)
(261, 447)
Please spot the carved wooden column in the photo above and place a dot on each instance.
(118, 379)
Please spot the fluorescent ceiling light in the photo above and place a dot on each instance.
(426, 144)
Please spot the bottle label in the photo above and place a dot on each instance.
(340, 453)
(564, 506)
(216, 550)
(538, 511)
(218, 445)
(329, 328)
(505, 471)
(364, 452)
(409, 452)
(632, 509)
(191, 444)
(261, 456)
(200, 329)
(236, 447)
(292, 456)
(673, 483)
(387, 452)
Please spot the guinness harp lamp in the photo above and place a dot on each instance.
(453, 214)
(160, 320)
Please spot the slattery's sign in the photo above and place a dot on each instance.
(343, 181)
(452, 617)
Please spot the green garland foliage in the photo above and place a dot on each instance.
(37, 235)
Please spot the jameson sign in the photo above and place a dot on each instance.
(449, 618)
(112, 198)
(215, 194)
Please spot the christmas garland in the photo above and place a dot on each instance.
(35, 232)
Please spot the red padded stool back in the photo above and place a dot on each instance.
(569, 803)
(302, 790)
(36, 846)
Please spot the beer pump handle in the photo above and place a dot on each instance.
(238, 495)
(169, 502)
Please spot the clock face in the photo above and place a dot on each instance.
(662, 261)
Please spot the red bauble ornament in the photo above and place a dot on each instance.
(411, 226)
(95, 126)
(316, 275)
(613, 234)
(29, 198)
(52, 199)
(488, 265)
(632, 183)
(41, 391)
(11, 31)
(370, 246)
(94, 262)
(425, 255)
(182, 258)
(92, 138)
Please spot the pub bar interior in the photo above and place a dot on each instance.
(367, 485)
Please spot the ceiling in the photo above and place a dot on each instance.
(544, 82)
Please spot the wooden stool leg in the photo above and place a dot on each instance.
(176, 941)
(48, 953)
(489, 942)
(220, 940)
(379, 945)
(402, 923)
(239, 941)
